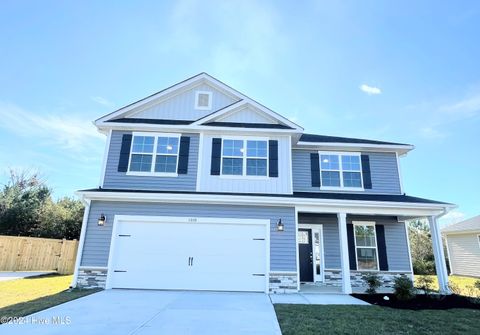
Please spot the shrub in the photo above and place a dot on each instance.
(423, 267)
(403, 288)
(454, 288)
(425, 283)
(372, 280)
(477, 284)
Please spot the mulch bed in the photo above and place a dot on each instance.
(421, 301)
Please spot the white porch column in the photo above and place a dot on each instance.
(440, 264)
(345, 263)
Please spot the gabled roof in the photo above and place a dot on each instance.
(246, 102)
(470, 225)
(192, 81)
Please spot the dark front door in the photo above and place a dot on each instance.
(305, 255)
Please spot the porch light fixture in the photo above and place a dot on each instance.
(280, 226)
(102, 219)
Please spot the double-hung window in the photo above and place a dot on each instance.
(244, 157)
(155, 154)
(341, 170)
(366, 245)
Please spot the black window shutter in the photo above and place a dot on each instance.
(351, 247)
(382, 247)
(124, 153)
(367, 176)
(183, 155)
(273, 158)
(315, 169)
(216, 156)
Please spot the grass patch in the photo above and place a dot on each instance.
(336, 319)
(22, 297)
(461, 282)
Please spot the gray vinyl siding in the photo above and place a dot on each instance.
(464, 251)
(395, 239)
(383, 167)
(245, 184)
(282, 244)
(120, 180)
(182, 106)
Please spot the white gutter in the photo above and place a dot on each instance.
(422, 209)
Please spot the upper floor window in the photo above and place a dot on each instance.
(203, 100)
(244, 157)
(154, 154)
(341, 170)
(366, 245)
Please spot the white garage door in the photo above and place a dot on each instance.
(191, 256)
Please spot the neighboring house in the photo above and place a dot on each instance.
(463, 247)
(203, 188)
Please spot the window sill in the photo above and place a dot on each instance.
(239, 177)
(331, 188)
(152, 174)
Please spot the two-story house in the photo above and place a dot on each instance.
(203, 188)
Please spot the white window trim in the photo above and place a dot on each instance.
(366, 223)
(315, 228)
(244, 158)
(340, 154)
(197, 94)
(154, 154)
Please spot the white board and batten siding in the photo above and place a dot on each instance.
(464, 253)
(245, 184)
(182, 106)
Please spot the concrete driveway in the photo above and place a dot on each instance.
(155, 312)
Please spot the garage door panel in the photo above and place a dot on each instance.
(156, 255)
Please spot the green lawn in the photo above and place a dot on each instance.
(26, 296)
(464, 284)
(336, 319)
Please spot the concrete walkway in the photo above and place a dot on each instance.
(155, 312)
(4, 275)
(316, 299)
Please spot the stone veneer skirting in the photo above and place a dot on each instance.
(91, 277)
(334, 278)
(283, 282)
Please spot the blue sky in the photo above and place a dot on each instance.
(405, 72)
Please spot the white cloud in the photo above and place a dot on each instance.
(465, 108)
(251, 36)
(370, 90)
(72, 133)
(102, 101)
(452, 217)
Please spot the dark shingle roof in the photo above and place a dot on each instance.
(335, 139)
(151, 121)
(306, 195)
(247, 125)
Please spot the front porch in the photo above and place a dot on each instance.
(329, 245)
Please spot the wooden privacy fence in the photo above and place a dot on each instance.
(37, 254)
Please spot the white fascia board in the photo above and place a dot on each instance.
(302, 204)
(190, 128)
(462, 232)
(401, 149)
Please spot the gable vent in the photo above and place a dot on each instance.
(203, 100)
